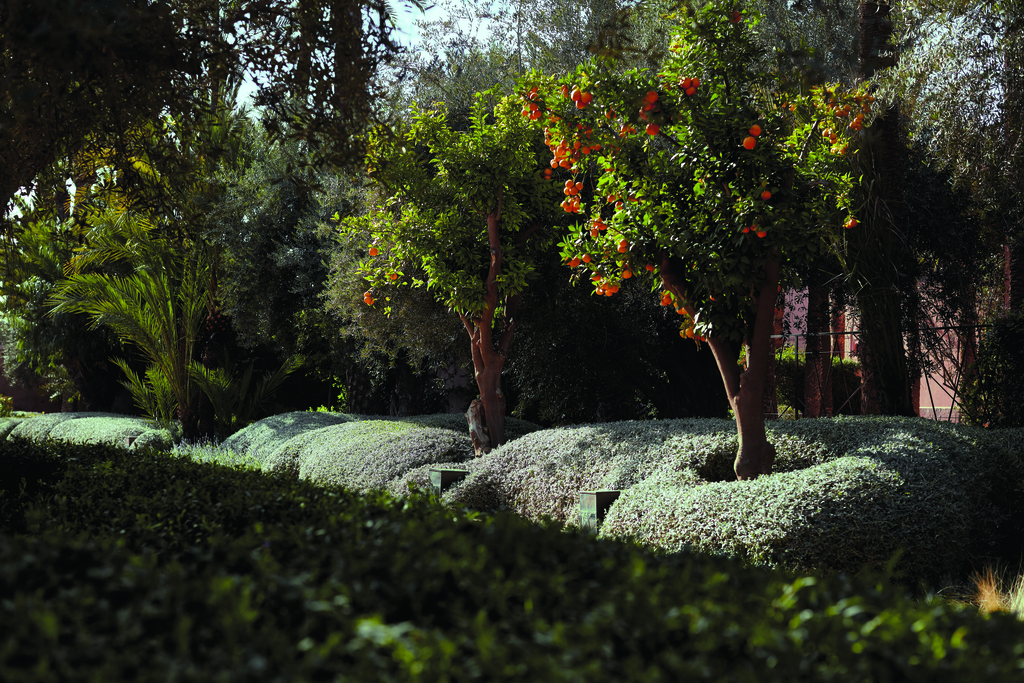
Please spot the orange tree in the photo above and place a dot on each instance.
(464, 214)
(706, 179)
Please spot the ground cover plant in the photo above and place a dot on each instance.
(90, 427)
(847, 493)
(142, 566)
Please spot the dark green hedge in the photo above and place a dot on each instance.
(991, 391)
(144, 567)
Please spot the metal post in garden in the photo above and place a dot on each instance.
(593, 507)
(443, 479)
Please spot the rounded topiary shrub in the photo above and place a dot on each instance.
(261, 439)
(541, 475)
(113, 426)
(847, 493)
(367, 454)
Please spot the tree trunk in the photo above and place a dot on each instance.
(868, 381)
(488, 361)
(818, 375)
(882, 254)
(188, 418)
(744, 389)
(489, 432)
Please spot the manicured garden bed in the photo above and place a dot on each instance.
(128, 565)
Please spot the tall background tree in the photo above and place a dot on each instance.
(87, 77)
(700, 177)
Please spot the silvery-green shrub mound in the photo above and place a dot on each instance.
(88, 428)
(7, 425)
(112, 429)
(871, 486)
(514, 427)
(261, 439)
(367, 455)
(541, 475)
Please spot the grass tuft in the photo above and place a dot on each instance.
(991, 594)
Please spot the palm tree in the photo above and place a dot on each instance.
(157, 305)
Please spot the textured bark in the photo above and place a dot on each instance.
(883, 249)
(868, 382)
(838, 325)
(744, 389)
(188, 417)
(478, 427)
(488, 356)
(818, 375)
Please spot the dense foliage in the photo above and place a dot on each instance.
(236, 574)
(992, 394)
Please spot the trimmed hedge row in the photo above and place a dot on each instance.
(360, 452)
(89, 428)
(146, 567)
(847, 492)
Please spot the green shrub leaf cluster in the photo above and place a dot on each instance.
(145, 567)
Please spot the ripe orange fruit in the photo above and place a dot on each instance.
(749, 142)
(594, 232)
(762, 233)
(766, 195)
(686, 83)
(574, 262)
(735, 17)
(586, 98)
(586, 258)
(755, 130)
(649, 267)
(564, 90)
(852, 223)
(653, 128)
(695, 82)
(691, 91)
(373, 251)
(393, 276)
(367, 295)
(623, 247)
(575, 95)
(651, 97)
(626, 274)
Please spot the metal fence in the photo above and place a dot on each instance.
(947, 379)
